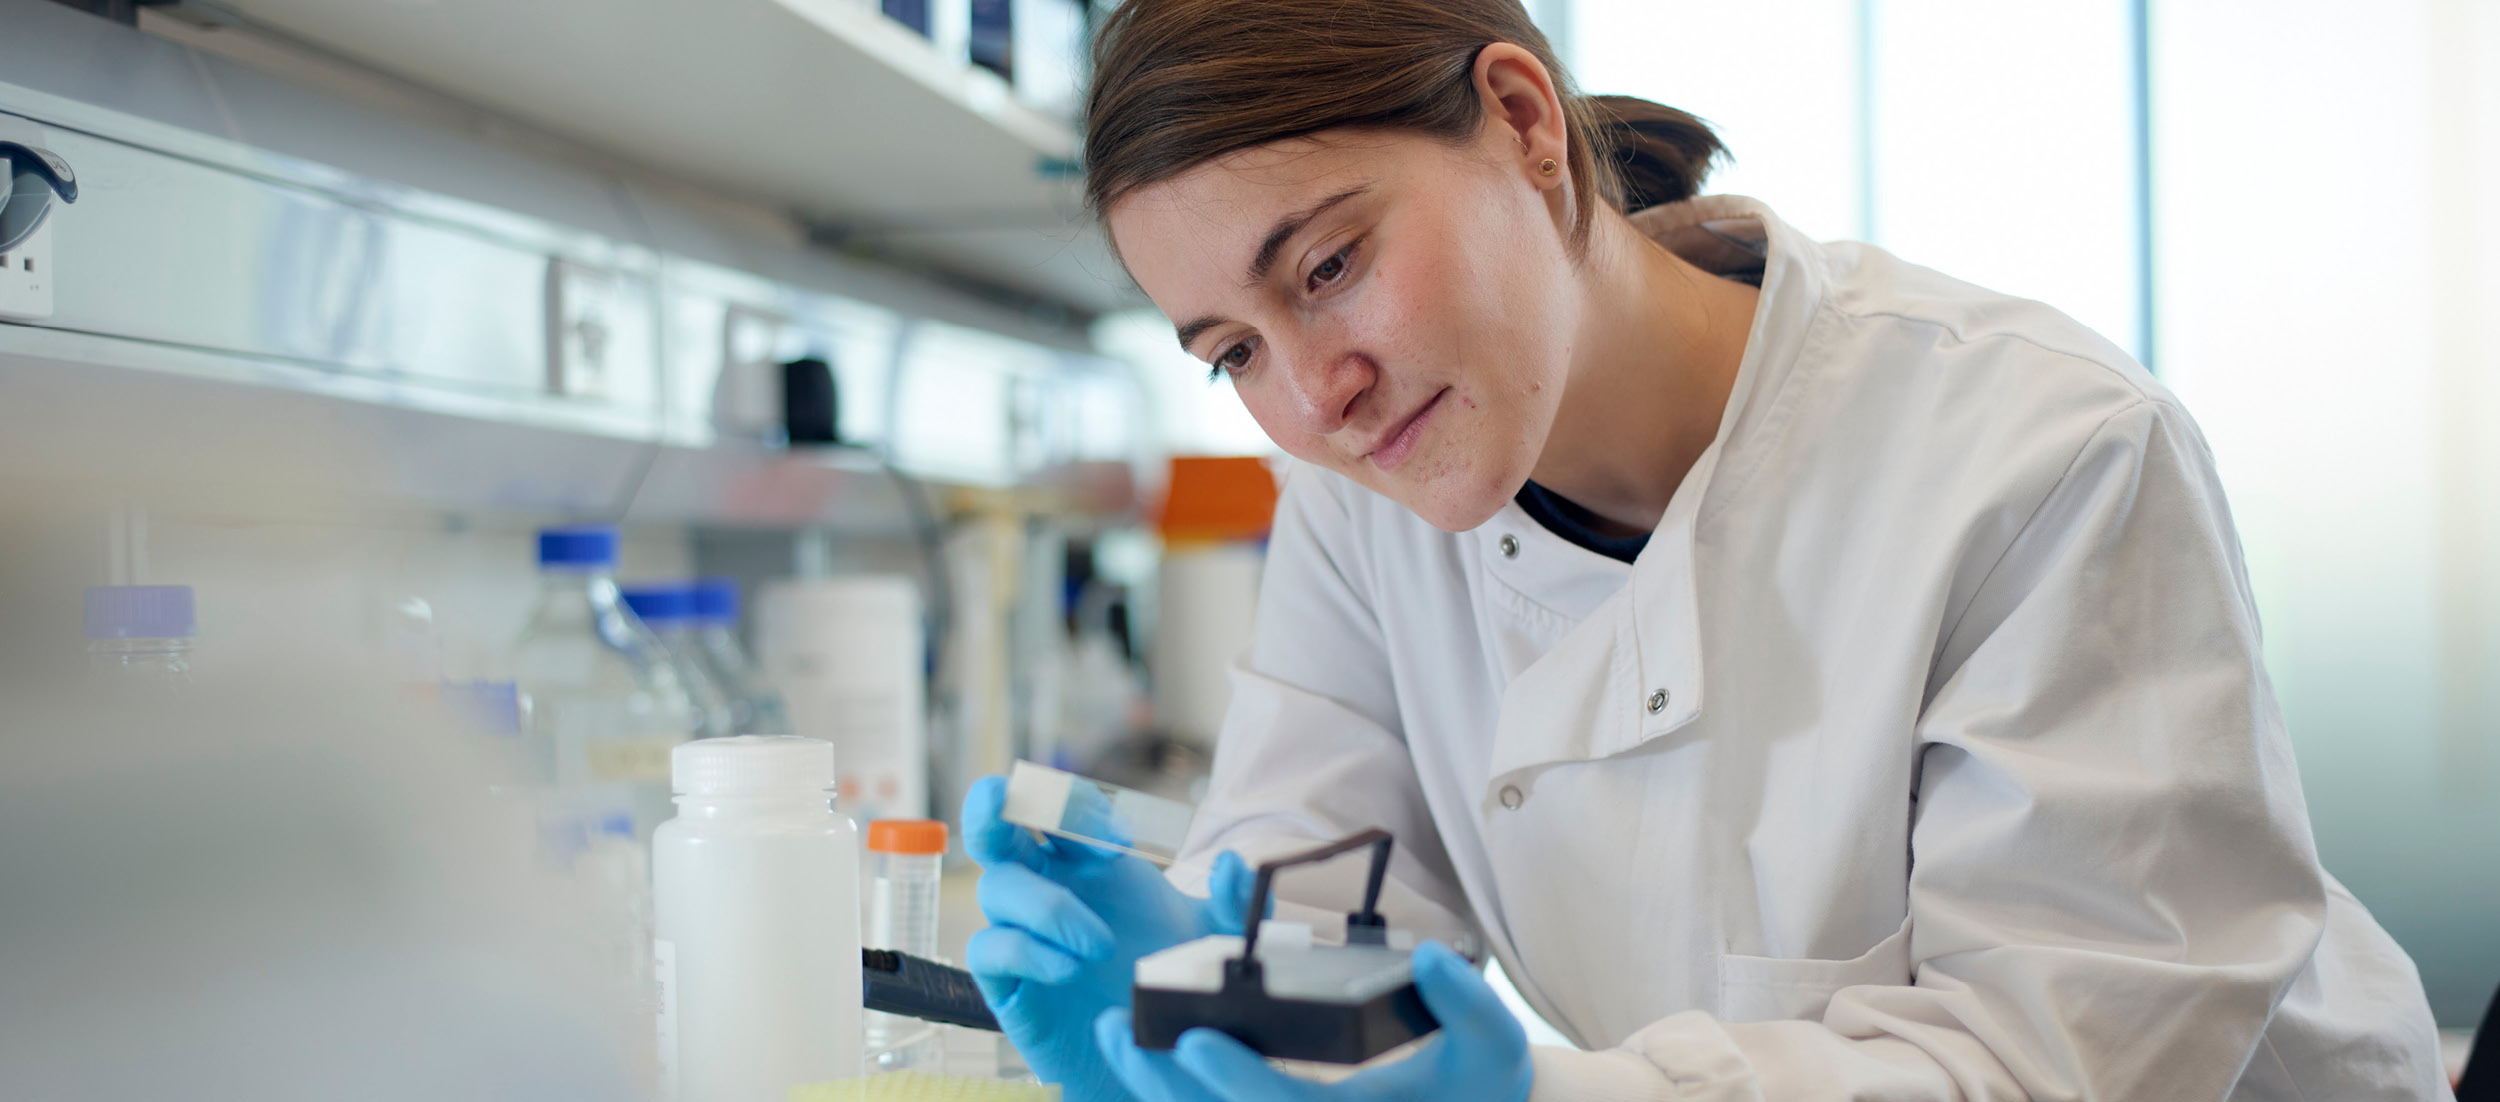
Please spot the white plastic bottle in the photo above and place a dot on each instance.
(601, 691)
(668, 610)
(756, 884)
(139, 637)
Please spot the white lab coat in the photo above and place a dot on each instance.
(1925, 753)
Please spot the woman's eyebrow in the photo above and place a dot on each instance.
(1291, 224)
(1189, 333)
(1265, 260)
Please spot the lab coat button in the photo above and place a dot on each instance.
(1511, 797)
(1657, 702)
(1510, 547)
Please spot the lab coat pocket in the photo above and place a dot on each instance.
(1763, 989)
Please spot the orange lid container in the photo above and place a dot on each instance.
(909, 836)
(1214, 498)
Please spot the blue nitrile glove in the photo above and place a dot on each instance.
(1480, 1054)
(1067, 924)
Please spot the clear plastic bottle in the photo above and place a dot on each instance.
(614, 872)
(754, 703)
(602, 693)
(668, 610)
(756, 884)
(602, 873)
(904, 858)
(139, 637)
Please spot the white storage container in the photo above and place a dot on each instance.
(847, 654)
(756, 884)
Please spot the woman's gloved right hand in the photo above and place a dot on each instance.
(1067, 924)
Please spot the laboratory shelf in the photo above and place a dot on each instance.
(236, 321)
(85, 418)
(822, 107)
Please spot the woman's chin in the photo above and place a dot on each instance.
(1453, 503)
(1447, 487)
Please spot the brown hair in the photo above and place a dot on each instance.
(1179, 82)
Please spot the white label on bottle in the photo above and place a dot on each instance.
(630, 758)
(664, 978)
(881, 903)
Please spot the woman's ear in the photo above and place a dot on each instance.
(1523, 110)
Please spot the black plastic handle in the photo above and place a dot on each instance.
(1367, 919)
(899, 983)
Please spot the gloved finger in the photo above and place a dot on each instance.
(1465, 1004)
(1229, 885)
(1231, 1071)
(1149, 1076)
(1016, 896)
(1001, 958)
(990, 839)
(1480, 1041)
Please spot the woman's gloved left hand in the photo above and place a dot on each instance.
(1480, 1054)
(1068, 922)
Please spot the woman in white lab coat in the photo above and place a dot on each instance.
(1811, 677)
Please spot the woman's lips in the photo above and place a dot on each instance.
(1402, 444)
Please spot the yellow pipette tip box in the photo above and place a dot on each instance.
(913, 1086)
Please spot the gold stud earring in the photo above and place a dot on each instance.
(1548, 168)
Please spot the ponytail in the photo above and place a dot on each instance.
(1659, 155)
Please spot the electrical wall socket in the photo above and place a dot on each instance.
(26, 276)
(601, 341)
(26, 268)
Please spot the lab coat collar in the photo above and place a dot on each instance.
(1797, 283)
(1632, 672)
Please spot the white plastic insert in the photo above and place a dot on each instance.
(1293, 967)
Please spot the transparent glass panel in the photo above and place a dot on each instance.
(1096, 812)
(2328, 202)
(2004, 150)
(1778, 80)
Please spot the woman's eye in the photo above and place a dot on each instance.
(1333, 267)
(1230, 361)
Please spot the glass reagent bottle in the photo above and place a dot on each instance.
(601, 690)
(668, 610)
(756, 704)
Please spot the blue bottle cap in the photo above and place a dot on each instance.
(659, 604)
(139, 612)
(577, 545)
(716, 599)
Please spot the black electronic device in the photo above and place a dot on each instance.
(811, 405)
(1339, 1004)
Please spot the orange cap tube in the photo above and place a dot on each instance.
(907, 836)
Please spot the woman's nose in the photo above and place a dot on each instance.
(1325, 387)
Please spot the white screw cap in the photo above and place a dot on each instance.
(752, 765)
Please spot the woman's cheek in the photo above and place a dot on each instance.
(1393, 317)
